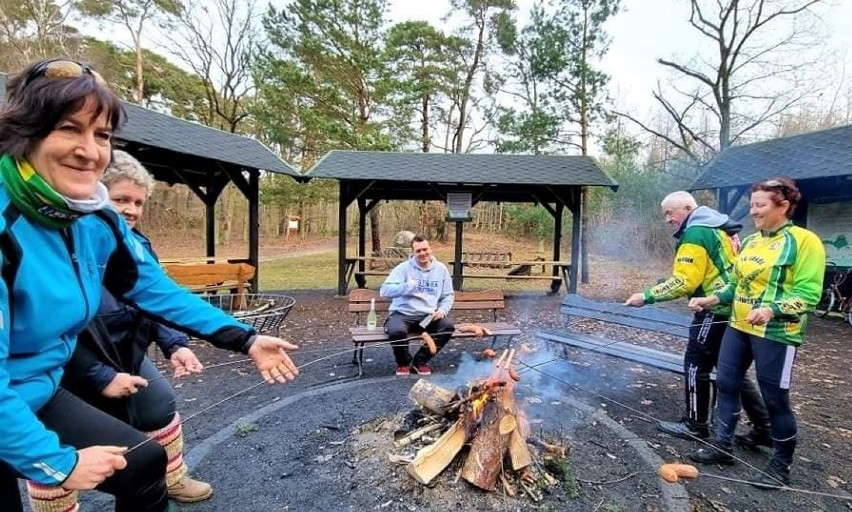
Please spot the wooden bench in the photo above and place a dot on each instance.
(214, 277)
(485, 300)
(651, 318)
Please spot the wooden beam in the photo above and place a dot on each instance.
(458, 269)
(254, 225)
(576, 221)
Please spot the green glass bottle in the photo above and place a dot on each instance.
(371, 316)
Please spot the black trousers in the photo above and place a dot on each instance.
(151, 408)
(774, 363)
(702, 355)
(140, 487)
(401, 326)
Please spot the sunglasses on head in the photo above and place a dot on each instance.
(776, 184)
(63, 68)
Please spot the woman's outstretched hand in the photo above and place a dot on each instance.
(269, 355)
(185, 362)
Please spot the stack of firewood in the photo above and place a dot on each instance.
(482, 424)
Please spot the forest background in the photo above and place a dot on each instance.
(309, 76)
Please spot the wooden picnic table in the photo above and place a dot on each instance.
(561, 275)
(560, 267)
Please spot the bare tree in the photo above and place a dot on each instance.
(762, 50)
(216, 41)
(133, 15)
(483, 16)
(33, 29)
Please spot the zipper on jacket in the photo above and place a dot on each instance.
(69, 245)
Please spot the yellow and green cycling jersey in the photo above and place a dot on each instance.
(702, 262)
(782, 270)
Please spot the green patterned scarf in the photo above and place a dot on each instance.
(33, 196)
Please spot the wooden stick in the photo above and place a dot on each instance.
(502, 358)
(416, 434)
(509, 359)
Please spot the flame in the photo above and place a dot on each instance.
(477, 406)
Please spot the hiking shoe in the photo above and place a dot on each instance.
(403, 371)
(754, 439)
(422, 369)
(189, 490)
(775, 475)
(713, 453)
(683, 430)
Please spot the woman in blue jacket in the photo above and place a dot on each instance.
(59, 245)
(110, 368)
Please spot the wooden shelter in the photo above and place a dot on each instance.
(367, 177)
(205, 159)
(821, 164)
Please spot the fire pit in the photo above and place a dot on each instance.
(483, 416)
(340, 446)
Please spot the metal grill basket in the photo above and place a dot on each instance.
(263, 311)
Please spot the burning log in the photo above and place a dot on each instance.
(434, 399)
(485, 460)
(519, 452)
(484, 463)
(430, 461)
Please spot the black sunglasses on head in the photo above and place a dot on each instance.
(62, 68)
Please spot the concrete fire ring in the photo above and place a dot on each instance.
(674, 496)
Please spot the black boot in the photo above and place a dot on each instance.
(684, 429)
(774, 476)
(713, 453)
(754, 439)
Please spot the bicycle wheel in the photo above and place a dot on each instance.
(826, 304)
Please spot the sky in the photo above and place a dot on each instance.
(641, 32)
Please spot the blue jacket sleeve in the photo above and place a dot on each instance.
(134, 274)
(169, 340)
(25, 443)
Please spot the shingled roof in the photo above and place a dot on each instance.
(461, 168)
(821, 154)
(150, 128)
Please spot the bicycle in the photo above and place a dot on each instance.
(837, 296)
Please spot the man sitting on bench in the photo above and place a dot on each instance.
(421, 293)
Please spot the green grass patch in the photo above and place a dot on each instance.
(319, 272)
(313, 272)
